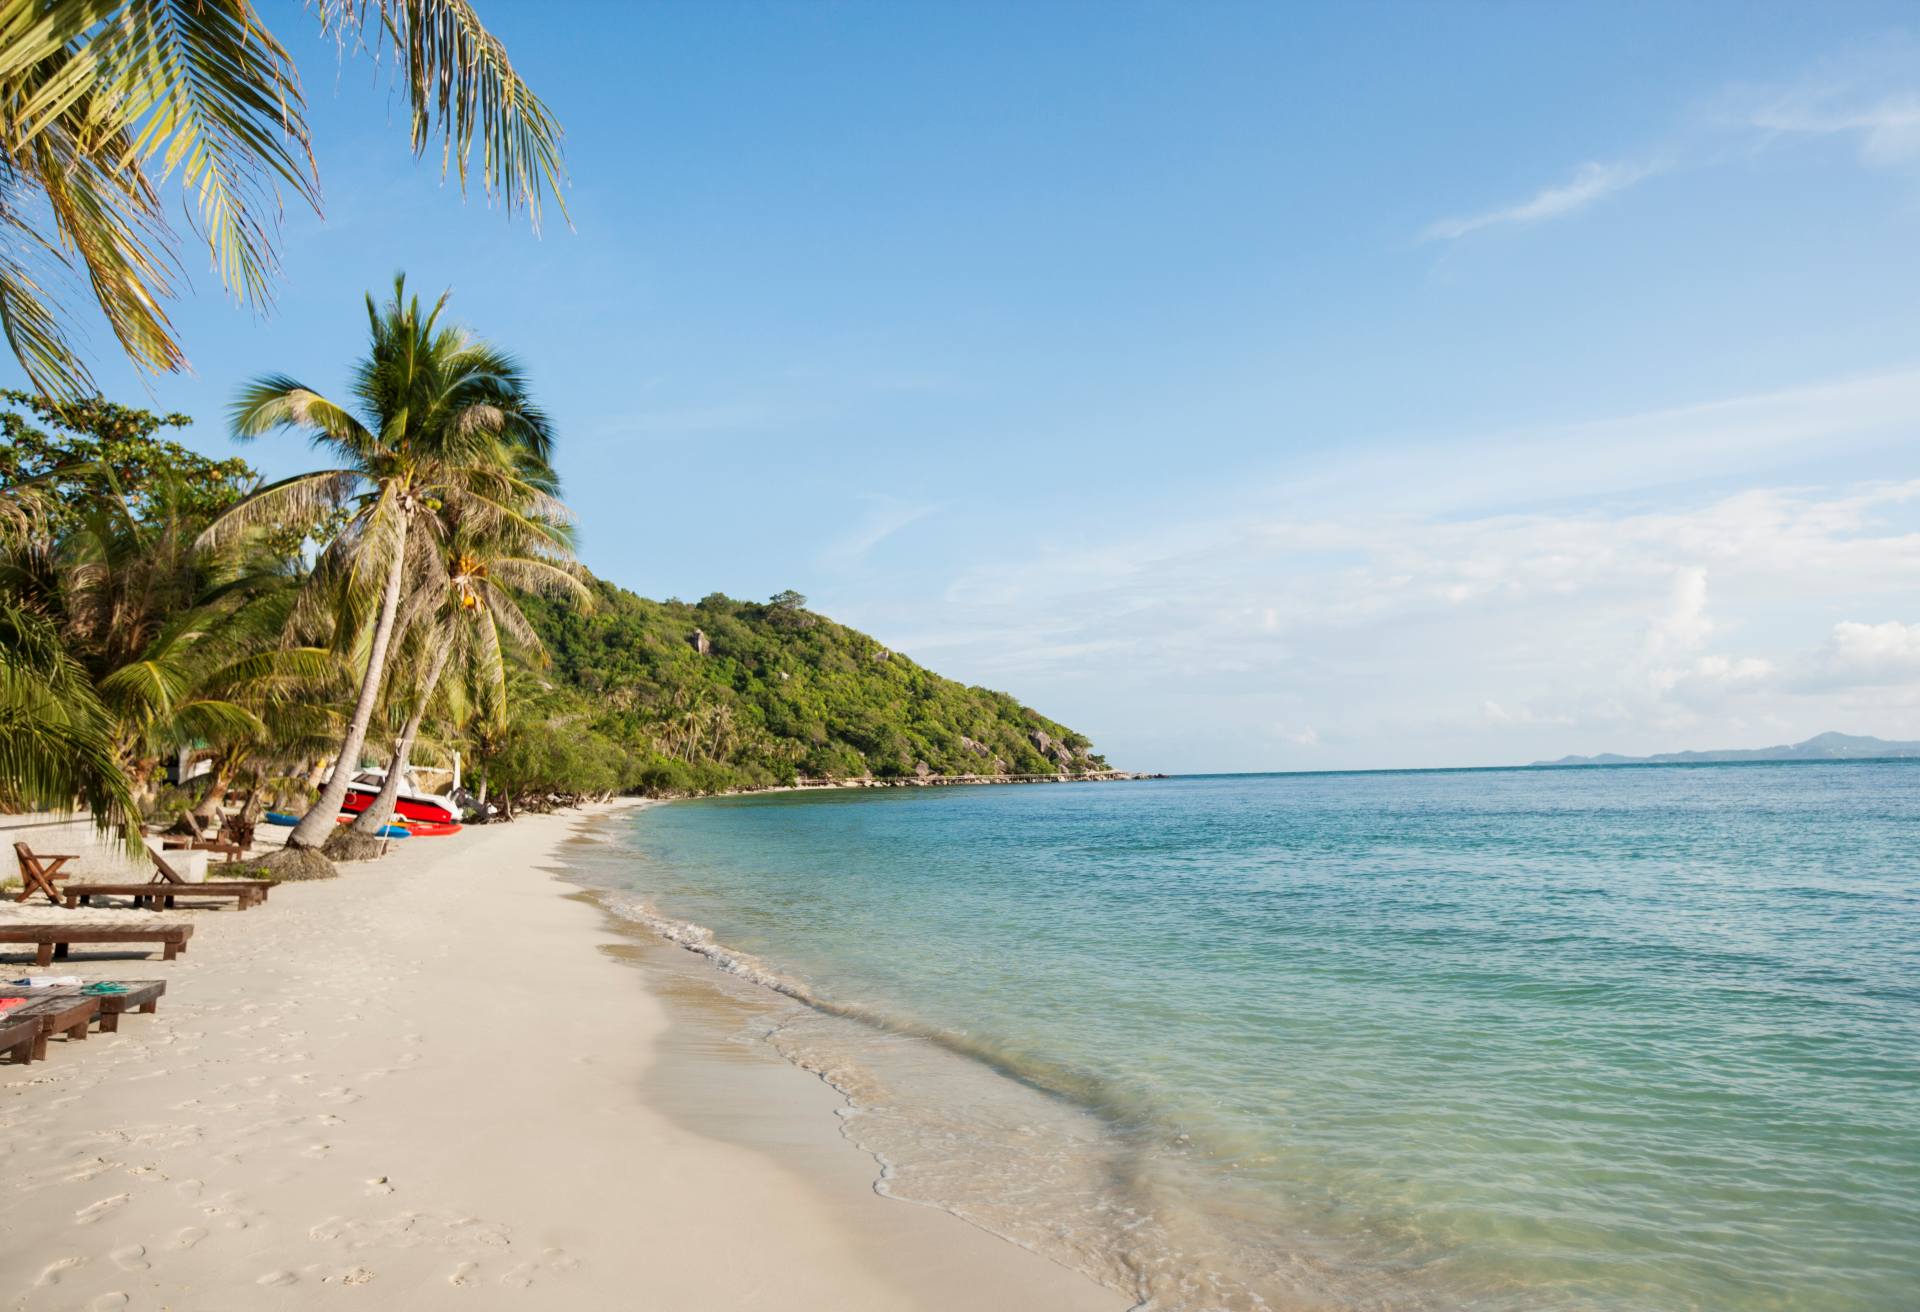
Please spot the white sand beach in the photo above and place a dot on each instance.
(425, 1085)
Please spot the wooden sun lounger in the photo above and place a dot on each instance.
(53, 938)
(17, 1034)
(201, 840)
(68, 1011)
(142, 995)
(246, 893)
(166, 885)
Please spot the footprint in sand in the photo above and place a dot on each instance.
(108, 1302)
(272, 1278)
(94, 1211)
(231, 1215)
(50, 1276)
(188, 1237)
(189, 1188)
(462, 1275)
(81, 1174)
(131, 1258)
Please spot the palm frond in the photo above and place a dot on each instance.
(56, 741)
(299, 499)
(460, 85)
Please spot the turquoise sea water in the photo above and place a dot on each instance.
(1599, 1038)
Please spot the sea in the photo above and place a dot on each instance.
(1589, 1038)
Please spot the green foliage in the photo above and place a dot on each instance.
(75, 459)
(781, 694)
(99, 450)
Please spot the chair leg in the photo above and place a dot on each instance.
(109, 1022)
(23, 1052)
(40, 1046)
(44, 955)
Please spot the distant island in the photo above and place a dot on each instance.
(1821, 747)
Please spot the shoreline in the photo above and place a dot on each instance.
(390, 1081)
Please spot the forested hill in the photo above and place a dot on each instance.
(697, 698)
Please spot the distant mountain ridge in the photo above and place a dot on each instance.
(1820, 747)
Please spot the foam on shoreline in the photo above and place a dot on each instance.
(1046, 1158)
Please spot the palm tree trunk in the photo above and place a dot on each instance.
(318, 822)
(375, 817)
(224, 766)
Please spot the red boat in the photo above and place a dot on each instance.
(412, 804)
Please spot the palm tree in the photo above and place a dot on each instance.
(56, 739)
(471, 612)
(121, 643)
(175, 647)
(445, 429)
(103, 102)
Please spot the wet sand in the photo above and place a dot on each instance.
(448, 1080)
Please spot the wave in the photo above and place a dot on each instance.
(1049, 1158)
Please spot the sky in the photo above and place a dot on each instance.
(1248, 386)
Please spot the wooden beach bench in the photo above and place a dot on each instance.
(53, 937)
(166, 885)
(67, 1011)
(141, 995)
(17, 1034)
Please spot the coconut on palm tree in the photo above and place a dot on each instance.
(440, 425)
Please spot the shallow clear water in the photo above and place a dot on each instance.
(1624, 1038)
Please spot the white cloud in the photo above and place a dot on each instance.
(1307, 736)
(886, 516)
(1683, 625)
(1888, 129)
(1858, 655)
(1499, 714)
(1739, 436)
(1601, 627)
(1867, 98)
(1590, 182)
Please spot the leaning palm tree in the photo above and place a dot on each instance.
(468, 611)
(104, 102)
(445, 426)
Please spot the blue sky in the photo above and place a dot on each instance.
(1251, 386)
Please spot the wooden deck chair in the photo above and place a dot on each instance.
(200, 839)
(167, 884)
(38, 871)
